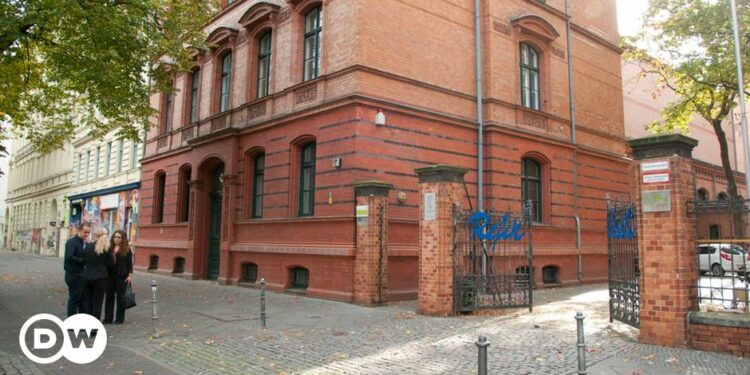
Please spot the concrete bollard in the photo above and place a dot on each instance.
(263, 303)
(154, 316)
(482, 344)
(581, 345)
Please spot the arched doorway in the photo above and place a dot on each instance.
(215, 196)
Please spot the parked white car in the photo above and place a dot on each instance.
(719, 258)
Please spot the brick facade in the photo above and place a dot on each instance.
(421, 75)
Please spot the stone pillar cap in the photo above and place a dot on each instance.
(372, 187)
(664, 145)
(441, 173)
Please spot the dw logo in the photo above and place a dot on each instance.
(83, 338)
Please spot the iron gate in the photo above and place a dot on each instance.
(505, 240)
(624, 270)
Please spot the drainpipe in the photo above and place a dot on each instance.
(480, 123)
(573, 141)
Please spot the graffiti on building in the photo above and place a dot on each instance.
(506, 229)
(115, 211)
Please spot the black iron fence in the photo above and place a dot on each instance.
(723, 253)
(492, 260)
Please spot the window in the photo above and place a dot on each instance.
(133, 155)
(96, 161)
(107, 157)
(226, 77)
(80, 168)
(551, 275)
(702, 195)
(313, 30)
(179, 265)
(531, 186)
(153, 262)
(259, 165)
(307, 180)
(300, 278)
(264, 64)
(529, 77)
(195, 79)
(250, 273)
(119, 156)
(722, 196)
(184, 193)
(160, 180)
(713, 232)
(168, 104)
(88, 164)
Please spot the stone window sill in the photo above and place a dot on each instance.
(724, 319)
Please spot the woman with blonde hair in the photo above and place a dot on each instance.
(120, 275)
(97, 258)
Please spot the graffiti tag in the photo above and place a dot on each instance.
(620, 227)
(506, 229)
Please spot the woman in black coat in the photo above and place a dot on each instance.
(97, 260)
(120, 275)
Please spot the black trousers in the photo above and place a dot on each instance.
(93, 297)
(75, 285)
(115, 291)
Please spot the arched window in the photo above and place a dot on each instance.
(250, 273)
(300, 278)
(529, 77)
(702, 195)
(307, 180)
(184, 193)
(168, 108)
(195, 80)
(264, 64)
(259, 166)
(225, 80)
(722, 196)
(313, 33)
(531, 186)
(160, 180)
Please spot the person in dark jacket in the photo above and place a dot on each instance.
(73, 265)
(95, 273)
(120, 275)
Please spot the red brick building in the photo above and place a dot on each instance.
(250, 170)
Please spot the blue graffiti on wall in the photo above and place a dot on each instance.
(506, 229)
(620, 227)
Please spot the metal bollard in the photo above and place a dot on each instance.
(581, 345)
(263, 303)
(154, 316)
(482, 344)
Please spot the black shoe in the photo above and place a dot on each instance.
(118, 321)
(106, 322)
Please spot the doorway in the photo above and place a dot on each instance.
(215, 196)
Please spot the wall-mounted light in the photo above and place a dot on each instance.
(380, 118)
(337, 162)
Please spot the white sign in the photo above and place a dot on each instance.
(77, 332)
(655, 166)
(429, 206)
(655, 178)
(108, 202)
(362, 210)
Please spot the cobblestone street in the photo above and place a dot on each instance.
(210, 329)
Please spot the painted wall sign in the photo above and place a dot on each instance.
(656, 201)
(506, 230)
(655, 178)
(655, 166)
(429, 206)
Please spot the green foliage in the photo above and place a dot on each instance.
(91, 63)
(695, 59)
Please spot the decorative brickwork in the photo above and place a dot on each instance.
(435, 285)
(721, 338)
(371, 260)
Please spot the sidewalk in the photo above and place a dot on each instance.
(211, 329)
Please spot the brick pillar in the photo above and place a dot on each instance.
(192, 265)
(229, 202)
(666, 236)
(371, 261)
(440, 187)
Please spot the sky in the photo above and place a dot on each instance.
(629, 15)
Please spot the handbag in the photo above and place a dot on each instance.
(129, 300)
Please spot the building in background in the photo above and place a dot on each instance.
(36, 211)
(250, 168)
(105, 184)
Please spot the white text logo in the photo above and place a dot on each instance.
(83, 339)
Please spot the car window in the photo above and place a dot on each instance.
(733, 251)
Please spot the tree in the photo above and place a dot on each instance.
(696, 60)
(91, 63)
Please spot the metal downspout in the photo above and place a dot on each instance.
(573, 141)
(480, 122)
